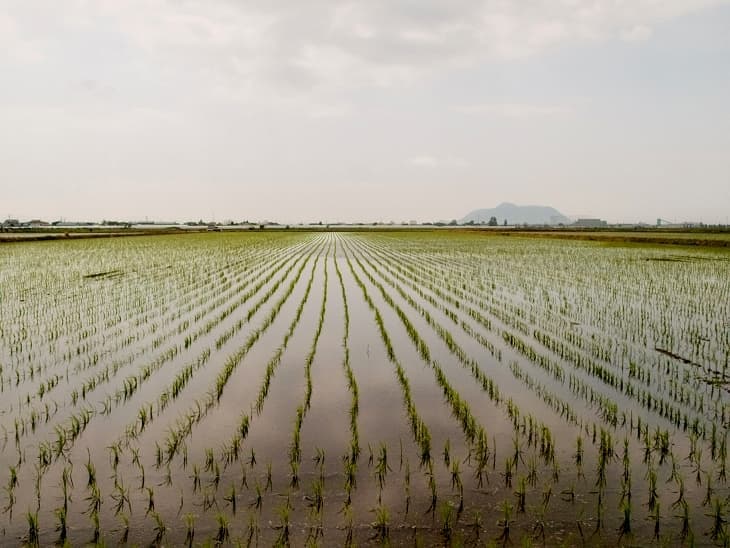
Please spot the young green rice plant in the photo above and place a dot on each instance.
(150, 501)
(432, 488)
(521, 494)
(709, 490)
(91, 471)
(653, 494)
(209, 459)
(578, 455)
(93, 500)
(600, 510)
(269, 478)
(556, 471)
(532, 471)
(294, 475)
(540, 525)
(381, 525)
(284, 513)
(508, 471)
(120, 496)
(684, 517)
(381, 466)
(350, 472)
(722, 459)
(456, 483)
(189, 520)
(115, 451)
(407, 486)
(447, 453)
(33, 530)
(215, 478)
(124, 537)
(159, 528)
(448, 519)
(349, 527)
(718, 519)
(698, 466)
(315, 499)
(680, 493)
(196, 478)
(517, 451)
(209, 499)
(62, 524)
(547, 493)
(223, 533)
(625, 527)
(656, 518)
(258, 500)
(230, 498)
(505, 523)
(96, 527)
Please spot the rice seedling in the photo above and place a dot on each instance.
(381, 525)
(505, 523)
(448, 518)
(717, 515)
(189, 520)
(230, 498)
(223, 533)
(159, 528)
(284, 527)
(62, 524)
(124, 537)
(33, 530)
(520, 494)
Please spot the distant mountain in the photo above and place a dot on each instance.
(517, 215)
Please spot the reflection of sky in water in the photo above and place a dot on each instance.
(382, 418)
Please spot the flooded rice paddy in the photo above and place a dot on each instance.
(410, 388)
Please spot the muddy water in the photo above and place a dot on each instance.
(576, 501)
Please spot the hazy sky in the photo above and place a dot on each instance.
(364, 110)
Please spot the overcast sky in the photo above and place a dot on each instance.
(364, 110)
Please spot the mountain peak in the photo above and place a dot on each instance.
(516, 214)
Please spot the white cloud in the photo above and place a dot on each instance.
(637, 33)
(330, 44)
(436, 162)
(513, 110)
(14, 45)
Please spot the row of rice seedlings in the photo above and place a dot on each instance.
(295, 451)
(662, 407)
(131, 384)
(421, 434)
(406, 275)
(460, 408)
(350, 459)
(151, 329)
(235, 328)
(184, 426)
(486, 382)
(59, 326)
(474, 433)
(235, 358)
(206, 328)
(232, 451)
(145, 414)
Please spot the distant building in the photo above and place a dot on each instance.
(590, 223)
(11, 223)
(37, 223)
